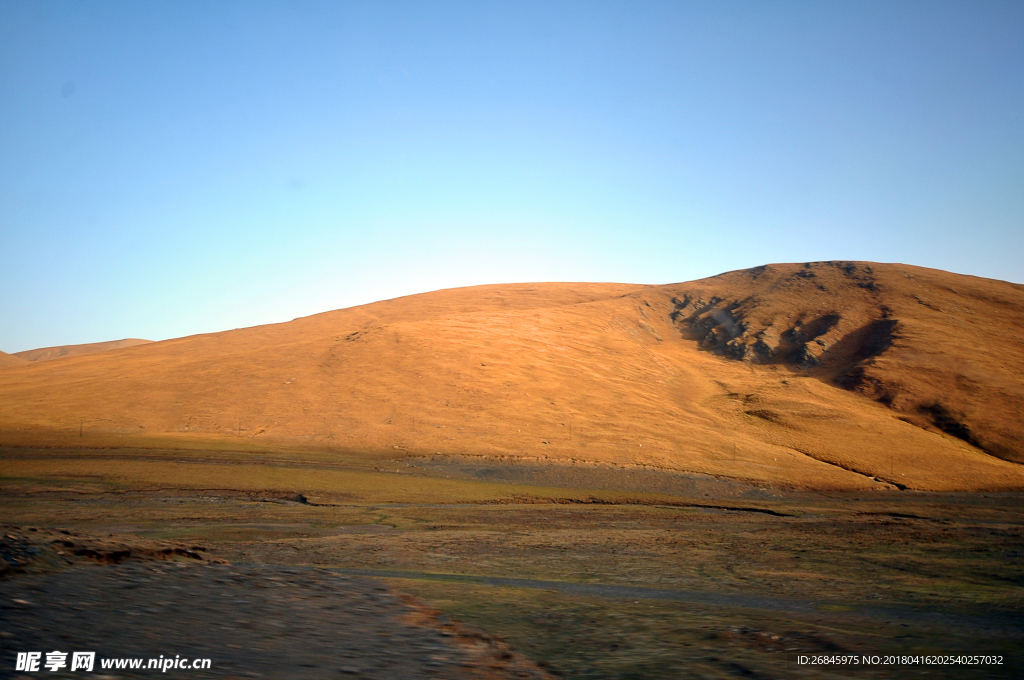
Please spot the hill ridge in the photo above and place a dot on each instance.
(56, 352)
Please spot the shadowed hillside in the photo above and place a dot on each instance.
(47, 353)
(824, 375)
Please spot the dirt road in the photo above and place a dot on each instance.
(251, 621)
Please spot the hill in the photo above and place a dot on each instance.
(820, 375)
(10, 360)
(48, 353)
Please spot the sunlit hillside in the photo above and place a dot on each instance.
(821, 375)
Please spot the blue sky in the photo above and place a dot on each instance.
(176, 168)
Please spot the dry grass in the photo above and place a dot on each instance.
(864, 573)
(318, 485)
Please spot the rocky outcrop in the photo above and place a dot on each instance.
(726, 327)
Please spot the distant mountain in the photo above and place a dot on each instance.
(832, 375)
(48, 353)
(10, 360)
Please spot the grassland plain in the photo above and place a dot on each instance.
(600, 571)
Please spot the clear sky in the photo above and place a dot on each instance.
(170, 168)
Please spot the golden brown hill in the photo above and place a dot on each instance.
(825, 375)
(47, 353)
(10, 360)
